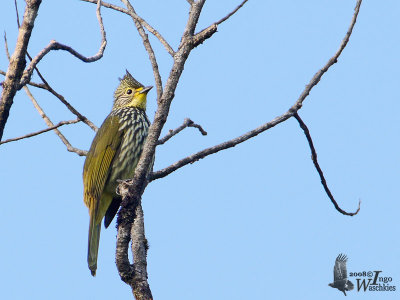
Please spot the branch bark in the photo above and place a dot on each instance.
(17, 62)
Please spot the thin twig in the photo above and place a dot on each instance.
(191, 2)
(148, 48)
(288, 114)
(186, 123)
(40, 131)
(16, 12)
(62, 99)
(6, 46)
(141, 20)
(206, 33)
(321, 174)
(54, 45)
(231, 13)
(50, 124)
(109, 5)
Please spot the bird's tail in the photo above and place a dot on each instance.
(93, 244)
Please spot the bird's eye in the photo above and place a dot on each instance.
(129, 91)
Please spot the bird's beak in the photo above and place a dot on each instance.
(146, 90)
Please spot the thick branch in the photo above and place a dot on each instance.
(321, 174)
(130, 224)
(139, 250)
(41, 131)
(132, 194)
(54, 45)
(50, 124)
(186, 123)
(244, 137)
(17, 62)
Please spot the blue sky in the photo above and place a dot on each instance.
(252, 222)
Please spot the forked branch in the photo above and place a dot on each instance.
(208, 32)
(50, 124)
(142, 21)
(186, 123)
(54, 45)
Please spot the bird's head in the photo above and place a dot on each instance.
(130, 93)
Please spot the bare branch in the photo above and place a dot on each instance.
(65, 102)
(142, 21)
(139, 250)
(191, 2)
(130, 225)
(231, 13)
(17, 13)
(186, 123)
(48, 87)
(38, 85)
(17, 62)
(298, 104)
(54, 45)
(6, 46)
(317, 77)
(109, 5)
(321, 174)
(50, 124)
(148, 48)
(206, 33)
(41, 131)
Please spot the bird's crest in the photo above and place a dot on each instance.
(128, 80)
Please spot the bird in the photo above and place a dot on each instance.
(340, 281)
(113, 155)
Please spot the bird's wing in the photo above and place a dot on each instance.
(340, 269)
(98, 163)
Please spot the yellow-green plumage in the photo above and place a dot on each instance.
(113, 155)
